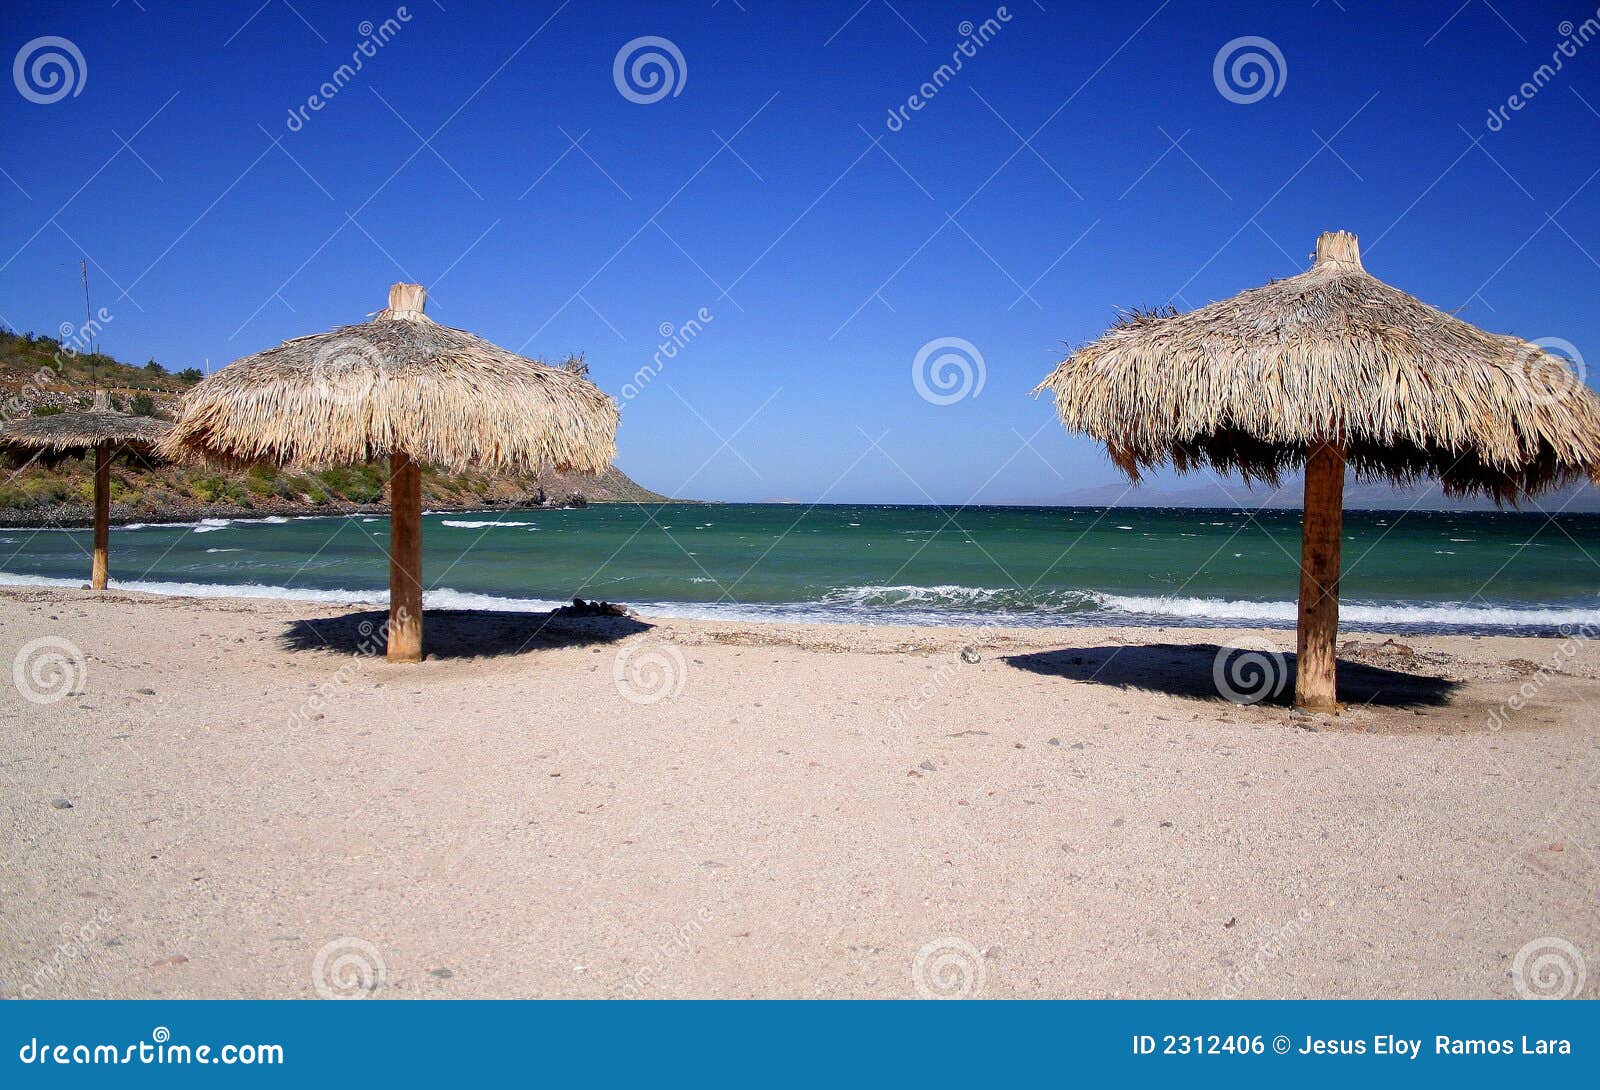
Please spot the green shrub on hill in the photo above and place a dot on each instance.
(261, 480)
(358, 484)
(214, 489)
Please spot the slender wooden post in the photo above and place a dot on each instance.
(102, 514)
(405, 559)
(1315, 682)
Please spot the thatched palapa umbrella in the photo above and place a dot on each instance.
(1331, 369)
(404, 387)
(65, 435)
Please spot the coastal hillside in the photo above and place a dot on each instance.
(38, 376)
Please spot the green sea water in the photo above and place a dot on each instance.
(882, 564)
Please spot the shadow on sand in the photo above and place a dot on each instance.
(459, 633)
(1194, 670)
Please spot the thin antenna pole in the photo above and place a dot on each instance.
(88, 317)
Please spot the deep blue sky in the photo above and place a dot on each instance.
(826, 262)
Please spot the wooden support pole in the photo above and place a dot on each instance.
(1315, 682)
(405, 559)
(102, 514)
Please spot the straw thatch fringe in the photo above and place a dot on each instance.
(1248, 384)
(66, 435)
(399, 382)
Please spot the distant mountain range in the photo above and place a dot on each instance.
(1582, 498)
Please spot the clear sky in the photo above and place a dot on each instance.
(1083, 158)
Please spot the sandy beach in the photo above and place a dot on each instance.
(224, 798)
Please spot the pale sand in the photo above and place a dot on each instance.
(791, 823)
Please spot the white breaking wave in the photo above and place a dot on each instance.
(1017, 606)
(949, 596)
(204, 590)
(1397, 613)
(466, 524)
(203, 526)
(937, 605)
(441, 598)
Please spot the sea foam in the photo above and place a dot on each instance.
(468, 524)
(942, 605)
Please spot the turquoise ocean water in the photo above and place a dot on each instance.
(854, 564)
